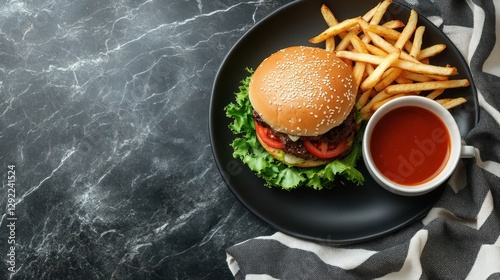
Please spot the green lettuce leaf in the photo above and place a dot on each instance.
(277, 174)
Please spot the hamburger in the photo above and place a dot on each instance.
(303, 101)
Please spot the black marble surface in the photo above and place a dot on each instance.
(104, 119)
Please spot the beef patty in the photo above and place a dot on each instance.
(334, 136)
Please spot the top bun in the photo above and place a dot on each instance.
(303, 91)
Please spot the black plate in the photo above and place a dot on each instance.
(346, 213)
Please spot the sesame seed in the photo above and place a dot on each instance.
(319, 81)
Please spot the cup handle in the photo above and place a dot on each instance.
(467, 151)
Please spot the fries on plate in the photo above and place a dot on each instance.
(389, 59)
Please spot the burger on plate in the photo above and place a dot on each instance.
(303, 106)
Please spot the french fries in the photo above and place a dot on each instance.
(388, 59)
(404, 88)
(453, 102)
(399, 63)
(377, 74)
(334, 30)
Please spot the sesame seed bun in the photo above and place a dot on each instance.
(303, 91)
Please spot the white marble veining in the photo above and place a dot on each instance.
(104, 113)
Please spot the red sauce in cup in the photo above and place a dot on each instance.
(410, 145)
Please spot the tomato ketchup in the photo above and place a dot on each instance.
(410, 145)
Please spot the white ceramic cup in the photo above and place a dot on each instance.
(457, 150)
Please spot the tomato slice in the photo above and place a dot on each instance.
(267, 136)
(325, 150)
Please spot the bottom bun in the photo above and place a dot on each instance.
(280, 155)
